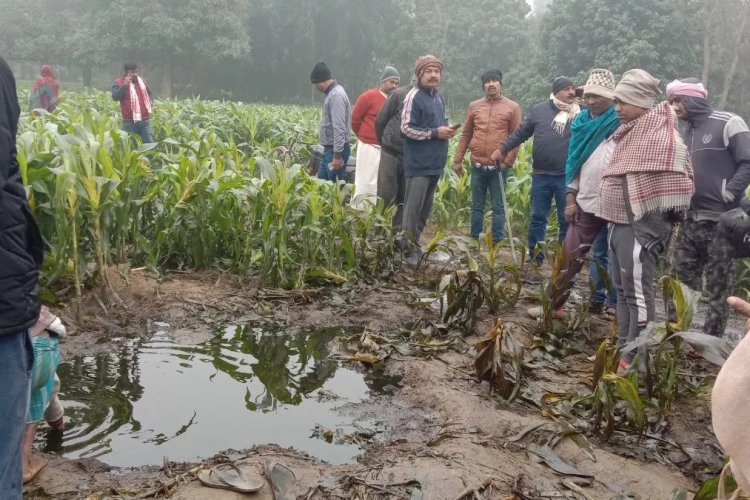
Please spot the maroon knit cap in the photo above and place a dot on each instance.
(424, 62)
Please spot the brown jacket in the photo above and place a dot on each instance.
(488, 123)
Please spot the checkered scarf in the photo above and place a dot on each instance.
(135, 101)
(651, 157)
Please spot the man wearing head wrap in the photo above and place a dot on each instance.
(45, 93)
(589, 151)
(645, 187)
(21, 253)
(135, 98)
(549, 124)
(426, 133)
(489, 121)
(335, 124)
(391, 180)
(719, 146)
(365, 110)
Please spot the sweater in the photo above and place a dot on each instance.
(388, 122)
(550, 149)
(121, 92)
(488, 123)
(336, 119)
(363, 115)
(424, 153)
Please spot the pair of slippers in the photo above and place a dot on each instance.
(228, 476)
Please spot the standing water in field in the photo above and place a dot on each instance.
(245, 386)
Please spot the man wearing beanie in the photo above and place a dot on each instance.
(363, 124)
(334, 124)
(391, 180)
(549, 124)
(426, 133)
(719, 145)
(488, 122)
(645, 187)
(589, 151)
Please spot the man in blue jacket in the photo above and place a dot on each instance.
(426, 133)
(549, 123)
(21, 253)
(719, 145)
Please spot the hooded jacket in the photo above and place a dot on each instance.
(21, 247)
(719, 145)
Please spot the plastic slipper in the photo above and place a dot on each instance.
(282, 480)
(229, 477)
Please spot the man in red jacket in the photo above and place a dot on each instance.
(135, 102)
(363, 124)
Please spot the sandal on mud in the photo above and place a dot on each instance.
(229, 477)
(282, 480)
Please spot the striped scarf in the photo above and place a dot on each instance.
(651, 157)
(567, 113)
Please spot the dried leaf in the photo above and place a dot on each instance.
(557, 464)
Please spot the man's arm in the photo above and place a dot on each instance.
(340, 125)
(119, 89)
(388, 111)
(466, 135)
(522, 134)
(737, 139)
(359, 112)
(515, 122)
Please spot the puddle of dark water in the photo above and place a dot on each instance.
(241, 388)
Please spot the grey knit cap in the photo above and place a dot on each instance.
(390, 73)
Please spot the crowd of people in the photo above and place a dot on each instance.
(625, 171)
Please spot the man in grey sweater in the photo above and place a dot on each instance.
(335, 124)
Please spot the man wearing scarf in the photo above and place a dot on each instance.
(589, 152)
(135, 99)
(645, 187)
(45, 93)
(719, 145)
(549, 124)
(21, 254)
(426, 133)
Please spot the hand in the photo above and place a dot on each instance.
(336, 164)
(458, 168)
(445, 132)
(571, 212)
(742, 308)
(728, 197)
(497, 156)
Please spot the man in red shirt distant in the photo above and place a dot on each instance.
(363, 124)
(135, 102)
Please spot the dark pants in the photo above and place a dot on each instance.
(633, 270)
(16, 359)
(392, 184)
(326, 173)
(578, 241)
(483, 180)
(543, 189)
(701, 249)
(603, 294)
(142, 128)
(418, 195)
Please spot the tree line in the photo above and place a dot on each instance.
(256, 50)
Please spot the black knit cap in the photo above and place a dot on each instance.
(560, 83)
(320, 73)
(492, 74)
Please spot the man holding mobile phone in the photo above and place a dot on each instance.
(489, 121)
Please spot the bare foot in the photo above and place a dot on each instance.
(33, 466)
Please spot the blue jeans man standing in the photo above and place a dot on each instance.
(483, 179)
(543, 189)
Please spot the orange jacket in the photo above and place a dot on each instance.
(488, 123)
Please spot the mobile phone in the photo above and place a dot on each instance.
(456, 126)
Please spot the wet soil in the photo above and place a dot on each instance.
(440, 428)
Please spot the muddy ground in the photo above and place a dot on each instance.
(441, 428)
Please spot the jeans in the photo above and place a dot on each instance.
(600, 258)
(142, 128)
(16, 359)
(543, 189)
(329, 175)
(483, 180)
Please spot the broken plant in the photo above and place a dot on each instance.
(499, 360)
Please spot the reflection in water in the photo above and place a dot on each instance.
(243, 387)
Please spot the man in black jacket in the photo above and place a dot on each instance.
(719, 145)
(391, 170)
(21, 253)
(549, 124)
